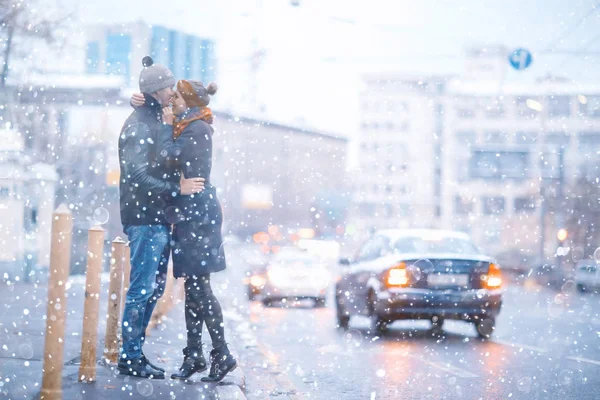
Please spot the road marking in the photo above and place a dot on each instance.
(461, 373)
(520, 346)
(585, 360)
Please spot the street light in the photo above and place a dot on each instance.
(562, 235)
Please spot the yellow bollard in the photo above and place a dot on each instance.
(126, 276)
(60, 256)
(87, 370)
(113, 316)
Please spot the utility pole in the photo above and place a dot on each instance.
(9, 39)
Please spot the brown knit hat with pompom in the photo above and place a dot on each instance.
(195, 94)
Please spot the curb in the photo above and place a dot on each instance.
(230, 392)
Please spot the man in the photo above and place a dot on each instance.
(147, 186)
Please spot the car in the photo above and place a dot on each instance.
(550, 275)
(419, 274)
(295, 274)
(255, 278)
(587, 276)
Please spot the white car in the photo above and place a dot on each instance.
(295, 274)
(587, 275)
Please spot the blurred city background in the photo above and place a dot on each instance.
(443, 155)
(333, 119)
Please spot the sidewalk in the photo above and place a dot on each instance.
(22, 327)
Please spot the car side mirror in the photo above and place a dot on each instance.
(345, 261)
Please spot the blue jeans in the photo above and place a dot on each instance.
(150, 248)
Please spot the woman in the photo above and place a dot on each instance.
(198, 248)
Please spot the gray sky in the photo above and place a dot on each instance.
(315, 53)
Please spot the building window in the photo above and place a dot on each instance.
(366, 209)
(524, 205)
(589, 106)
(388, 189)
(465, 112)
(496, 137)
(388, 211)
(494, 109)
(589, 142)
(499, 165)
(92, 57)
(493, 205)
(526, 137)
(118, 50)
(463, 206)
(467, 139)
(559, 139)
(404, 210)
(523, 109)
(559, 106)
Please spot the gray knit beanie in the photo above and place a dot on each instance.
(155, 77)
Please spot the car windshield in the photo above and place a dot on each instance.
(294, 258)
(437, 244)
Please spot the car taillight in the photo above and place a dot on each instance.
(493, 278)
(258, 281)
(397, 276)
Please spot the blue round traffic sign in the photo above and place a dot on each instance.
(520, 59)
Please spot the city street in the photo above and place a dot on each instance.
(546, 346)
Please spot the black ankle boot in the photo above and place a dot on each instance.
(152, 364)
(193, 362)
(222, 363)
(140, 368)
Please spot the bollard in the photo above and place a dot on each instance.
(113, 316)
(60, 256)
(87, 369)
(126, 276)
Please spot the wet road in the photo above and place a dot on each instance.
(546, 346)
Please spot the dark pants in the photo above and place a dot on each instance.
(201, 306)
(150, 248)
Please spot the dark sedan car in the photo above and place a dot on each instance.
(420, 274)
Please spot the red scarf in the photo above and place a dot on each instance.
(179, 126)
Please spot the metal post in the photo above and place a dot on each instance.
(87, 370)
(60, 256)
(559, 212)
(111, 343)
(9, 39)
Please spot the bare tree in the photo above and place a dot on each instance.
(23, 22)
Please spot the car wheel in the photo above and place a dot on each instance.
(251, 294)
(485, 327)
(343, 319)
(267, 302)
(437, 323)
(320, 302)
(581, 288)
(379, 325)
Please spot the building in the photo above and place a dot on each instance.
(26, 205)
(398, 180)
(468, 152)
(273, 174)
(119, 49)
(500, 142)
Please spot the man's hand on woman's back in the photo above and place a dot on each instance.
(191, 185)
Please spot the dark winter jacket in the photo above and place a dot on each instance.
(147, 184)
(198, 243)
